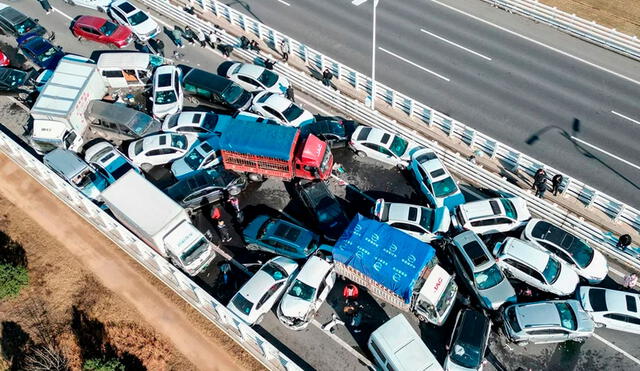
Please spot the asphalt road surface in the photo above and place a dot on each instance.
(499, 73)
(313, 348)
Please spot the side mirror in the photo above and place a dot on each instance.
(36, 20)
(151, 99)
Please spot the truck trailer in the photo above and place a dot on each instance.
(159, 221)
(397, 268)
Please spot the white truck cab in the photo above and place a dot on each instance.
(435, 298)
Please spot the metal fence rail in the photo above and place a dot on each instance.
(570, 23)
(209, 307)
(431, 118)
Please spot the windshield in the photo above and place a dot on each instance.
(242, 304)
(209, 122)
(12, 78)
(445, 187)
(488, 278)
(275, 271)
(552, 270)
(567, 318)
(194, 252)
(137, 18)
(448, 295)
(121, 170)
(179, 141)
(48, 54)
(398, 146)
(193, 159)
(579, 251)
(165, 97)
(509, 209)
(302, 290)
(328, 210)
(108, 28)
(268, 78)
(292, 112)
(465, 355)
(26, 26)
(141, 124)
(427, 218)
(232, 93)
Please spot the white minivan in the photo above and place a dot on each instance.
(396, 346)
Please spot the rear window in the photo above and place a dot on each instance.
(631, 303)
(206, 147)
(264, 97)
(126, 7)
(426, 157)
(242, 304)
(385, 138)
(513, 320)
(509, 210)
(413, 214)
(476, 253)
(597, 300)
(164, 80)
(495, 207)
(364, 133)
(437, 173)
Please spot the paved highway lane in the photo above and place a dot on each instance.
(460, 58)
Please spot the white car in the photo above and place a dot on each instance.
(435, 181)
(254, 78)
(495, 215)
(192, 123)
(202, 155)
(584, 259)
(108, 161)
(306, 294)
(527, 263)
(382, 146)
(159, 149)
(139, 21)
(99, 5)
(616, 310)
(420, 222)
(277, 107)
(256, 297)
(167, 95)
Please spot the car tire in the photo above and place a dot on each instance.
(422, 318)
(146, 167)
(234, 191)
(361, 154)
(252, 246)
(522, 343)
(70, 2)
(401, 167)
(101, 9)
(256, 177)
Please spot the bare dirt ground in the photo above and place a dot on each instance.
(623, 15)
(77, 273)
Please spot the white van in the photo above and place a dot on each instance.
(396, 346)
(128, 69)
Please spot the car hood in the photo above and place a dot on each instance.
(145, 28)
(121, 33)
(521, 209)
(305, 118)
(454, 200)
(499, 294)
(567, 282)
(449, 365)
(282, 84)
(161, 110)
(180, 169)
(597, 270)
(251, 230)
(294, 307)
(442, 220)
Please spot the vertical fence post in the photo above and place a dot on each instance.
(622, 209)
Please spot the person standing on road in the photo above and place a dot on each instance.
(289, 94)
(326, 77)
(159, 47)
(45, 5)
(200, 37)
(225, 235)
(177, 36)
(630, 280)
(555, 183)
(537, 178)
(624, 241)
(268, 64)
(189, 35)
(284, 49)
(226, 50)
(541, 187)
(225, 268)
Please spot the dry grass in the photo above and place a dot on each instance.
(623, 15)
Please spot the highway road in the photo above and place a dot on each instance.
(499, 73)
(313, 348)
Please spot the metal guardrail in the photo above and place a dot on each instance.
(572, 24)
(208, 306)
(433, 119)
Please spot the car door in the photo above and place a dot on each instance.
(425, 185)
(325, 287)
(119, 17)
(212, 159)
(372, 151)
(91, 33)
(161, 156)
(271, 113)
(515, 269)
(248, 83)
(266, 302)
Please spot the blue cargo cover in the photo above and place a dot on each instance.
(388, 256)
(259, 139)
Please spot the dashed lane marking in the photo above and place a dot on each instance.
(454, 44)
(616, 348)
(606, 153)
(414, 64)
(625, 117)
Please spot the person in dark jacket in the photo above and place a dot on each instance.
(289, 94)
(624, 241)
(326, 77)
(268, 64)
(541, 187)
(537, 177)
(189, 35)
(555, 183)
(244, 42)
(45, 5)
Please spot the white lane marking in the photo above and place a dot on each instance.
(284, 2)
(539, 43)
(413, 64)
(454, 44)
(358, 2)
(342, 343)
(61, 13)
(605, 152)
(616, 348)
(625, 117)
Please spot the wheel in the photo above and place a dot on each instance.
(101, 9)
(234, 191)
(146, 167)
(361, 154)
(401, 167)
(70, 2)
(256, 177)
(252, 246)
(522, 343)
(422, 318)
(600, 325)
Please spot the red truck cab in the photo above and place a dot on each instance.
(313, 159)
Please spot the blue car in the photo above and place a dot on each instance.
(40, 51)
(280, 237)
(434, 180)
(202, 155)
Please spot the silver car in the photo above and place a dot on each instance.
(480, 271)
(553, 321)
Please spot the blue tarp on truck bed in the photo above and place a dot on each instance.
(260, 139)
(386, 255)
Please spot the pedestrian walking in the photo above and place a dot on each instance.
(225, 235)
(235, 203)
(538, 176)
(200, 37)
(45, 5)
(350, 292)
(289, 94)
(158, 46)
(541, 187)
(623, 242)
(253, 45)
(326, 77)
(226, 50)
(177, 36)
(284, 49)
(225, 268)
(244, 42)
(555, 183)
(268, 64)
(329, 326)
(630, 280)
(189, 35)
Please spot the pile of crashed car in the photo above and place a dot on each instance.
(90, 125)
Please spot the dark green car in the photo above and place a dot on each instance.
(280, 237)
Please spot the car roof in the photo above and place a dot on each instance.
(314, 271)
(429, 162)
(250, 70)
(482, 208)
(538, 314)
(90, 20)
(614, 301)
(205, 79)
(473, 326)
(191, 118)
(377, 135)
(278, 102)
(125, 6)
(524, 252)
(403, 212)
(473, 248)
(164, 70)
(153, 141)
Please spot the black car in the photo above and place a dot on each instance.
(324, 206)
(17, 24)
(18, 83)
(331, 129)
(213, 90)
(469, 341)
(205, 187)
